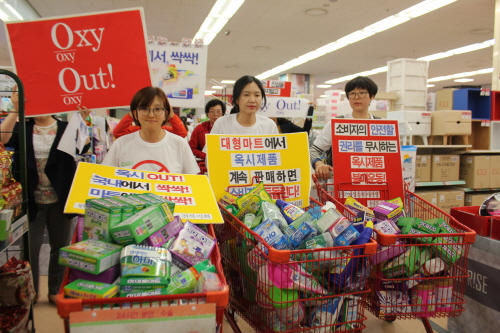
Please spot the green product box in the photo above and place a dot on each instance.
(158, 198)
(100, 216)
(145, 281)
(90, 289)
(434, 222)
(153, 291)
(127, 210)
(5, 223)
(447, 250)
(426, 227)
(139, 226)
(407, 263)
(406, 221)
(447, 229)
(90, 256)
(137, 204)
(409, 230)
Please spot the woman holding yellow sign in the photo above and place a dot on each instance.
(152, 148)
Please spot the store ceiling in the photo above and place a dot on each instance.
(283, 26)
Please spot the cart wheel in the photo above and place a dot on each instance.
(390, 319)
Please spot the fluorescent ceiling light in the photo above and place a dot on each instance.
(209, 92)
(4, 17)
(382, 25)
(431, 85)
(217, 87)
(13, 11)
(463, 80)
(470, 48)
(323, 86)
(228, 81)
(219, 15)
(321, 96)
(460, 75)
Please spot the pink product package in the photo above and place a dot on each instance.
(79, 228)
(192, 244)
(386, 227)
(388, 211)
(108, 276)
(387, 252)
(162, 235)
(293, 276)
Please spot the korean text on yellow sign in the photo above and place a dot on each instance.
(192, 194)
(233, 161)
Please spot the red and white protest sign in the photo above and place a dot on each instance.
(98, 60)
(274, 88)
(366, 160)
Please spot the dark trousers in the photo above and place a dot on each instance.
(59, 231)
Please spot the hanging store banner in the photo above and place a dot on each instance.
(275, 88)
(180, 69)
(192, 194)
(285, 107)
(367, 159)
(280, 161)
(98, 60)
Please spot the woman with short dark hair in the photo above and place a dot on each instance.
(214, 109)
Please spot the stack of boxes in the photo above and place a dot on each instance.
(408, 78)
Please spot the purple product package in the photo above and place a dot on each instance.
(162, 235)
(388, 211)
(387, 252)
(108, 276)
(79, 228)
(193, 244)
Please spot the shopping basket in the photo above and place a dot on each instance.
(247, 260)
(390, 297)
(221, 298)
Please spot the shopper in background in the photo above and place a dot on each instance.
(152, 148)
(50, 174)
(214, 109)
(360, 91)
(286, 126)
(127, 125)
(189, 128)
(248, 95)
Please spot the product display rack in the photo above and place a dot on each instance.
(20, 225)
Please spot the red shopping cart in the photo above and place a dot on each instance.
(328, 285)
(65, 306)
(437, 288)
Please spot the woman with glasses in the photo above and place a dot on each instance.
(360, 91)
(152, 148)
(214, 109)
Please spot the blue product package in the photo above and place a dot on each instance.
(272, 235)
(298, 236)
(315, 212)
(348, 236)
(327, 314)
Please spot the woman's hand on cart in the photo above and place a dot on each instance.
(323, 171)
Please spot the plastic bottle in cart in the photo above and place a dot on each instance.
(287, 305)
(423, 299)
(263, 287)
(327, 206)
(444, 294)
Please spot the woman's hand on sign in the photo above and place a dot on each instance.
(323, 171)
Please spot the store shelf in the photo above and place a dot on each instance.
(480, 189)
(444, 146)
(451, 182)
(19, 228)
(481, 151)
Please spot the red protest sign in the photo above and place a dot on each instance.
(275, 88)
(99, 60)
(367, 160)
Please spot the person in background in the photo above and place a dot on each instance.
(188, 128)
(152, 148)
(287, 126)
(214, 109)
(127, 125)
(360, 91)
(248, 95)
(50, 174)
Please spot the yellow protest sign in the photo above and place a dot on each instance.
(280, 161)
(192, 194)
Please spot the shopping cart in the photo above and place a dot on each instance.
(65, 306)
(248, 261)
(436, 294)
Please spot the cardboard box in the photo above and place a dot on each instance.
(445, 168)
(475, 170)
(495, 171)
(429, 196)
(448, 198)
(475, 199)
(444, 99)
(423, 168)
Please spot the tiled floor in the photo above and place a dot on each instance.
(48, 321)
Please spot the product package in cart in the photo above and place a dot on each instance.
(193, 244)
